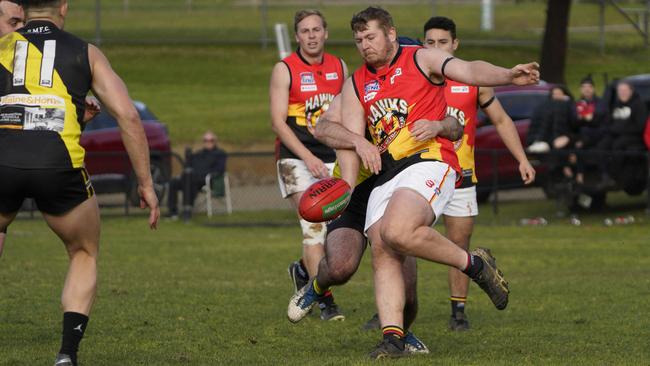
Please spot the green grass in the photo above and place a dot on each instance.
(189, 294)
(172, 58)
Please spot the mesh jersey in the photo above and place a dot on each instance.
(311, 89)
(44, 78)
(462, 103)
(395, 97)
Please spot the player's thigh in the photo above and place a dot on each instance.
(79, 227)
(294, 178)
(6, 219)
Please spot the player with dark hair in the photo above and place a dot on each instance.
(302, 86)
(45, 74)
(462, 102)
(396, 95)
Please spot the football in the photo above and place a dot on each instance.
(324, 200)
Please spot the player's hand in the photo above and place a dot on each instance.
(527, 172)
(424, 129)
(316, 167)
(525, 74)
(149, 199)
(369, 154)
(92, 108)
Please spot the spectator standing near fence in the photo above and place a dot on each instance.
(40, 155)
(209, 160)
(302, 86)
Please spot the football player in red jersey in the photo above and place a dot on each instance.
(463, 102)
(394, 95)
(302, 86)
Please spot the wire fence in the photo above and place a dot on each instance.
(491, 22)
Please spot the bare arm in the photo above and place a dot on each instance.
(478, 73)
(507, 131)
(448, 128)
(354, 122)
(332, 133)
(279, 99)
(112, 92)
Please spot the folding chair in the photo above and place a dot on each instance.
(217, 186)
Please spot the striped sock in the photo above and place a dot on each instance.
(457, 304)
(393, 331)
(318, 290)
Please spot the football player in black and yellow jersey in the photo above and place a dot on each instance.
(45, 75)
(12, 17)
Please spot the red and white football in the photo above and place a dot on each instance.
(324, 200)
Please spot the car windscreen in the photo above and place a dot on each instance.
(520, 105)
(104, 120)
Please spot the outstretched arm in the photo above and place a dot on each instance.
(113, 94)
(478, 73)
(507, 131)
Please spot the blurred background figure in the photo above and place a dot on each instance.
(209, 160)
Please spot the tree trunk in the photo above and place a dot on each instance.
(554, 46)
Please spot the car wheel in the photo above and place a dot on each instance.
(160, 176)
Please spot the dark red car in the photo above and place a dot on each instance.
(107, 161)
(519, 103)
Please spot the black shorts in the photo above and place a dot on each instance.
(55, 191)
(354, 216)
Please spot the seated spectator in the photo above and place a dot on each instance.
(623, 130)
(209, 160)
(590, 113)
(552, 122)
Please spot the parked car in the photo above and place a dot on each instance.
(519, 103)
(108, 163)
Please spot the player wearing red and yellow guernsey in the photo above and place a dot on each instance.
(416, 172)
(463, 102)
(302, 86)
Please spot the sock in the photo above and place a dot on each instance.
(318, 290)
(74, 327)
(326, 299)
(302, 270)
(394, 334)
(457, 304)
(474, 266)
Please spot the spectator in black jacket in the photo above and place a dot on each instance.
(209, 160)
(623, 130)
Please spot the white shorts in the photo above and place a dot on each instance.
(293, 176)
(434, 180)
(463, 203)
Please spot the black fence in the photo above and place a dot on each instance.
(252, 179)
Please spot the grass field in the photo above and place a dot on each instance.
(190, 294)
(171, 57)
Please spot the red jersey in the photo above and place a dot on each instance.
(311, 89)
(462, 103)
(395, 97)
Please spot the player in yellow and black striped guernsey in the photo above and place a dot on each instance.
(45, 74)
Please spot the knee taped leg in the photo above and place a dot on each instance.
(313, 233)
